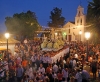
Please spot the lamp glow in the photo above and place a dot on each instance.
(87, 35)
(56, 34)
(80, 32)
(7, 35)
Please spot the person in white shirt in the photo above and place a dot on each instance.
(65, 73)
(49, 59)
(74, 63)
(30, 72)
(33, 59)
(15, 54)
(55, 68)
(19, 60)
(41, 58)
(41, 69)
(45, 61)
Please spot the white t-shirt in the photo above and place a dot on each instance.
(55, 68)
(41, 70)
(74, 63)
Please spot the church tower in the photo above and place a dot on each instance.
(80, 18)
(80, 22)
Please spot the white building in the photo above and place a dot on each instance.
(74, 31)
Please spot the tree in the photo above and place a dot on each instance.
(57, 19)
(93, 17)
(23, 24)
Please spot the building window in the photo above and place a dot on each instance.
(69, 30)
(79, 13)
(69, 37)
(66, 37)
(81, 21)
(77, 22)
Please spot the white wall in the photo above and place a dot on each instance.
(10, 46)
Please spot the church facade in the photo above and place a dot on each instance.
(74, 31)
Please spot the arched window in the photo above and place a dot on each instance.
(81, 21)
(69, 30)
(79, 13)
(77, 21)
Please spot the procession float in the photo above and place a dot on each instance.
(54, 43)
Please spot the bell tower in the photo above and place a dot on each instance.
(80, 18)
(80, 22)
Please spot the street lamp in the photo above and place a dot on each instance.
(80, 32)
(56, 35)
(7, 35)
(87, 36)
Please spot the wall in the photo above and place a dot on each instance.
(10, 46)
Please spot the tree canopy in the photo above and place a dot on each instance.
(22, 24)
(93, 17)
(57, 20)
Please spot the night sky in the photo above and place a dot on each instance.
(42, 9)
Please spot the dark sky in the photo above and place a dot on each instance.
(42, 9)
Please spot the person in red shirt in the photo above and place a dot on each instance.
(12, 69)
(60, 76)
(24, 63)
(49, 69)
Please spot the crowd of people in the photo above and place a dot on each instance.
(29, 63)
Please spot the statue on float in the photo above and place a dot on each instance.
(44, 44)
(54, 43)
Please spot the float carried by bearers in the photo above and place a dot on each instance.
(53, 45)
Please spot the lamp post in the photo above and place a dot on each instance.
(80, 32)
(7, 35)
(87, 36)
